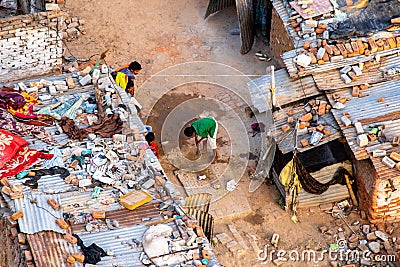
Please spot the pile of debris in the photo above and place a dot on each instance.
(358, 243)
(73, 28)
(95, 149)
(310, 122)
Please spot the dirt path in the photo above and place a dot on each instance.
(161, 34)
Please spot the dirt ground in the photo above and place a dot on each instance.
(160, 34)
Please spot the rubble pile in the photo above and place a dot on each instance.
(97, 148)
(309, 122)
(363, 243)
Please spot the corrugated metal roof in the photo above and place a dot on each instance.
(369, 108)
(127, 217)
(38, 214)
(76, 202)
(319, 7)
(331, 79)
(285, 141)
(199, 201)
(384, 172)
(315, 69)
(288, 90)
(50, 249)
(124, 255)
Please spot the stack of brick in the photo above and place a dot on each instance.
(321, 52)
(308, 29)
(30, 45)
(308, 122)
(73, 28)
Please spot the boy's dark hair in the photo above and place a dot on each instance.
(149, 137)
(135, 66)
(189, 131)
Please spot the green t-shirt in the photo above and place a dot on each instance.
(205, 127)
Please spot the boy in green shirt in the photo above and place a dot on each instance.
(206, 129)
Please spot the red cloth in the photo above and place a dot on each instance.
(154, 148)
(10, 144)
(15, 156)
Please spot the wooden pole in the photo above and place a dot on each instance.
(348, 184)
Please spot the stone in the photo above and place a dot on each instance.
(336, 58)
(353, 238)
(50, 7)
(96, 74)
(325, 207)
(362, 140)
(353, 246)
(365, 262)
(70, 82)
(104, 69)
(382, 236)
(321, 52)
(388, 247)
(346, 79)
(323, 229)
(345, 70)
(346, 121)
(363, 247)
(334, 263)
(303, 60)
(388, 162)
(359, 128)
(21, 238)
(52, 90)
(85, 80)
(223, 238)
(73, 25)
(357, 70)
(366, 229)
(371, 236)
(375, 247)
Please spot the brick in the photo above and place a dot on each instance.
(21, 238)
(392, 42)
(373, 47)
(285, 128)
(386, 45)
(304, 142)
(348, 48)
(356, 49)
(28, 256)
(395, 156)
(355, 91)
(336, 50)
(14, 232)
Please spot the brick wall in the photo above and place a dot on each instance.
(375, 195)
(280, 40)
(30, 45)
